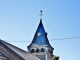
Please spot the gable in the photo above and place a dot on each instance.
(16, 52)
(12, 55)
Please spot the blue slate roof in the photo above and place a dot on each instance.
(40, 37)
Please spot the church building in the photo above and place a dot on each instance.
(39, 49)
(40, 45)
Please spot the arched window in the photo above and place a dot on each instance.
(32, 51)
(37, 50)
(42, 50)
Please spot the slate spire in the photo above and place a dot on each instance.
(40, 37)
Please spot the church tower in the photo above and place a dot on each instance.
(40, 45)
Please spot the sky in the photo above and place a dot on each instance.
(19, 20)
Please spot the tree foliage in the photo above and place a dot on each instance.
(56, 58)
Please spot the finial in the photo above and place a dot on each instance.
(41, 13)
(40, 20)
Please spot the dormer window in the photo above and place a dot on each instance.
(46, 33)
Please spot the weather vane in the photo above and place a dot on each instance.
(41, 13)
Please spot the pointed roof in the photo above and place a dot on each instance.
(40, 37)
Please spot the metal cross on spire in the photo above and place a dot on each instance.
(41, 13)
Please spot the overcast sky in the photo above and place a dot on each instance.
(19, 20)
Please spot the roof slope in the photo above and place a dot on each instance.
(22, 53)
